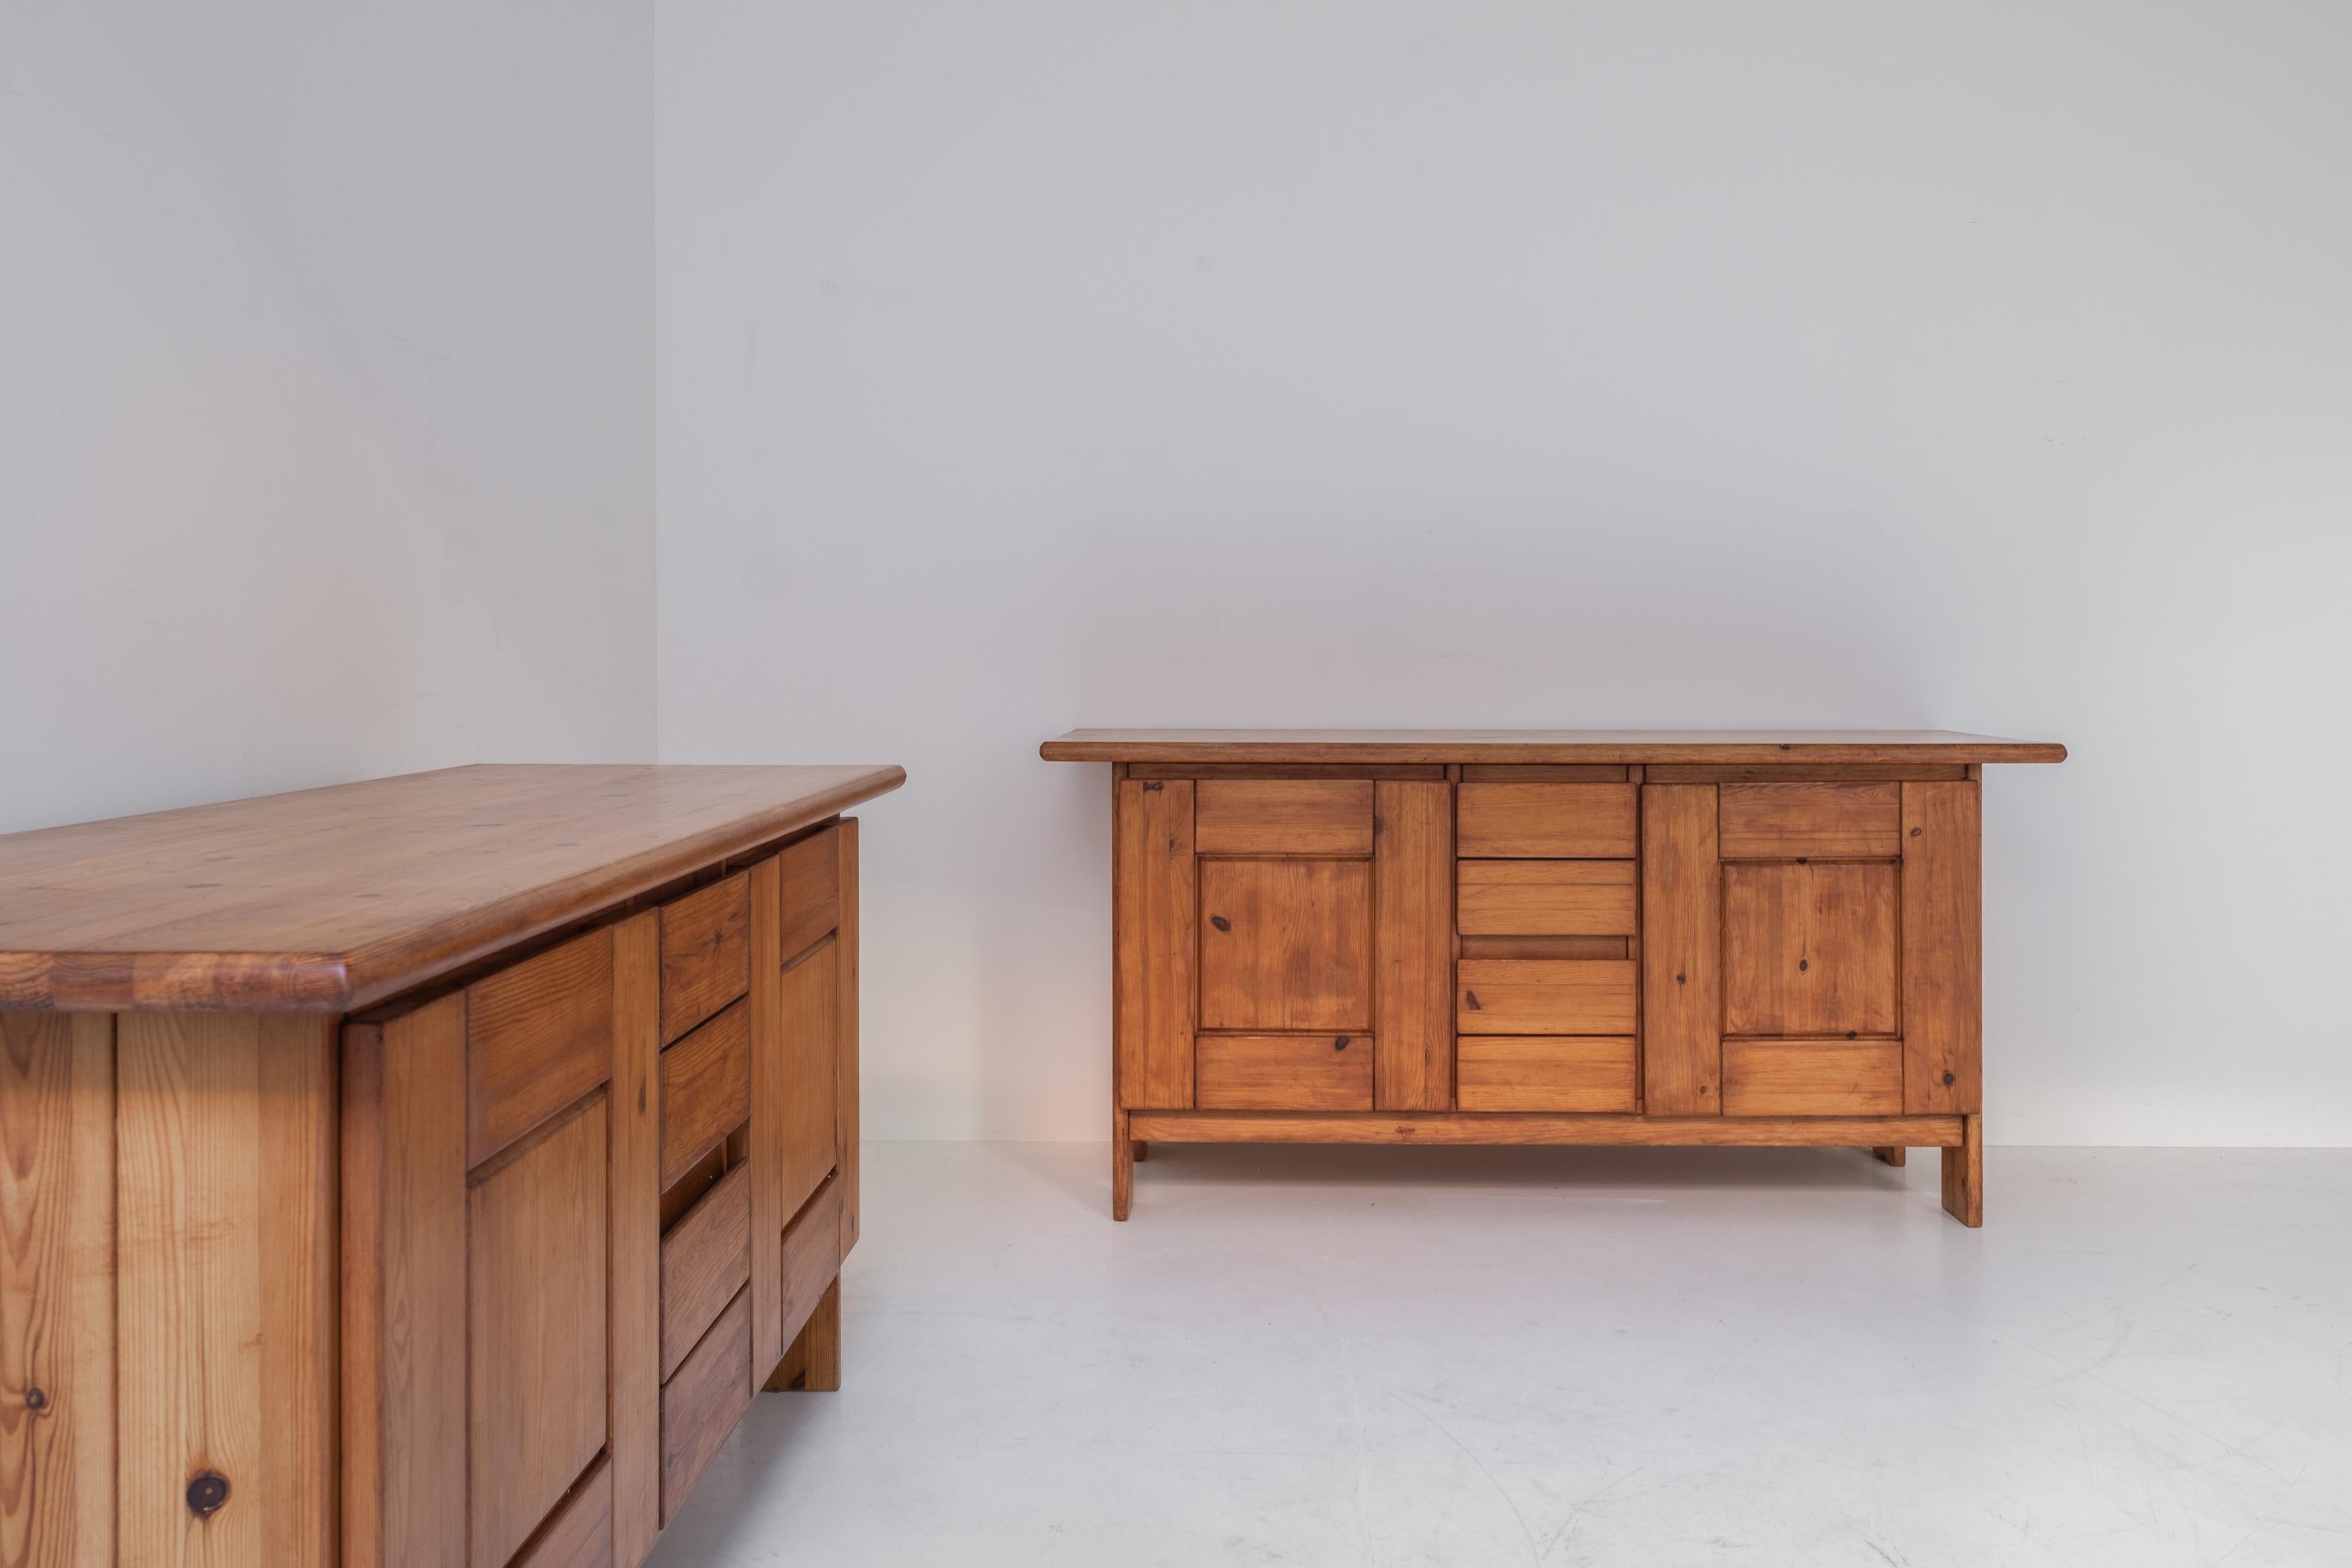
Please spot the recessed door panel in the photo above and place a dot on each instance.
(1286, 944)
(1809, 950)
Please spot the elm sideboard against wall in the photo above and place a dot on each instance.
(1547, 937)
(424, 1173)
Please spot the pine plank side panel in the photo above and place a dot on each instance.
(1943, 948)
(626, 1490)
(1412, 903)
(845, 1016)
(403, 1159)
(1682, 944)
(766, 1198)
(1157, 939)
(57, 1289)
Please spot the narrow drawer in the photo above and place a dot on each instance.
(812, 1258)
(1545, 821)
(579, 1533)
(1284, 1072)
(705, 1259)
(1546, 898)
(809, 883)
(538, 1036)
(1817, 819)
(1813, 1077)
(1540, 997)
(1283, 816)
(706, 953)
(701, 1404)
(1545, 1072)
(705, 1089)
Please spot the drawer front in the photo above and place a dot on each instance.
(809, 885)
(812, 1251)
(1546, 898)
(1283, 816)
(538, 1035)
(1813, 1077)
(705, 1259)
(1285, 1072)
(1546, 1072)
(1287, 945)
(1545, 821)
(1809, 950)
(706, 953)
(706, 1090)
(1530, 996)
(702, 1403)
(580, 1535)
(1791, 821)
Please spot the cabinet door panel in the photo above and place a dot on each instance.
(1286, 944)
(538, 1035)
(1156, 940)
(536, 1288)
(812, 1056)
(1809, 950)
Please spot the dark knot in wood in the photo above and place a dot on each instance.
(1221, 922)
(206, 1493)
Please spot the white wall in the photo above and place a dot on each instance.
(1028, 365)
(325, 393)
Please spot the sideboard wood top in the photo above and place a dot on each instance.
(1893, 747)
(330, 899)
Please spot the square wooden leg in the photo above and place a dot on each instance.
(1142, 1150)
(812, 1364)
(1122, 1167)
(1892, 1156)
(1964, 1173)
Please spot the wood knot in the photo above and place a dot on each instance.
(1470, 998)
(37, 1399)
(1221, 922)
(1948, 1080)
(1850, 1034)
(206, 1493)
(1917, 831)
(1153, 786)
(1682, 979)
(1340, 1043)
(1803, 964)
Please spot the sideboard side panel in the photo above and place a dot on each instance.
(1943, 953)
(631, 1478)
(1412, 902)
(1157, 939)
(1681, 948)
(845, 1023)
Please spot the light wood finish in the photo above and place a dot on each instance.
(1813, 1077)
(331, 900)
(1964, 1173)
(1286, 944)
(1157, 886)
(632, 1478)
(1547, 1072)
(1547, 898)
(812, 1257)
(1789, 821)
(706, 1090)
(1285, 1072)
(1943, 960)
(810, 1045)
(1711, 747)
(538, 1036)
(764, 1210)
(706, 953)
(812, 1364)
(1809, 950)
(1895, 1154)
(701, 1404)
(580, 1533)
(1464, 1127)
(1283, 816)
(57, 1289)
(1521, 996)
(809, 874)
(844, 1028)
(705, 1259)
(1413, 901)
(1545, 821)
(224, 1259)
(1649, 937)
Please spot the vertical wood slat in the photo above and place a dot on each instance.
(633, 1332)
(767, 1116)
(1158, 938)
(225, 1304)
(806, 1136)
(57, 1289)
(845, 1016)
(1412, 902)
(1943, 949)
(1682, 946)
(404, 1290)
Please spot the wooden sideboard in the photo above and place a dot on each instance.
(424, 1173)
(1547, 937)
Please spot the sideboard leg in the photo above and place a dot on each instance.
(1142, 1150)
(1891, 1156)
(1964, 1173)
(1122, 1167)
(812, 1362)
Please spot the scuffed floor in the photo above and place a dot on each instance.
(1636, 1357)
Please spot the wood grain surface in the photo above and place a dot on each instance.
(1895, 746)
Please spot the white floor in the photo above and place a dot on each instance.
(1639, 1357)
